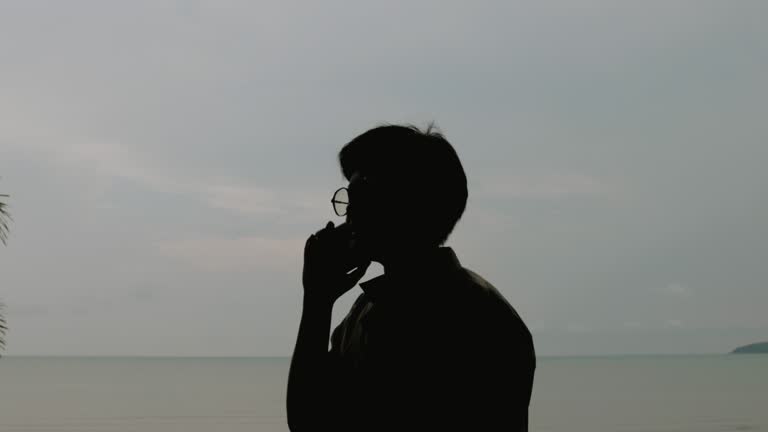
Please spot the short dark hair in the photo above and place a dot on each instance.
(422, 161)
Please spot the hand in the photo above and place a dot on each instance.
(330, 267)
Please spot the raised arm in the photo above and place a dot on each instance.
(325, 279)
(306, 407)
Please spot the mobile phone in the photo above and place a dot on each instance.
(347, 246)
(345, 237)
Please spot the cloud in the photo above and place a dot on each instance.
(578, 328)
(242, 254)
(101, 158)
(112, 160)
(552, 186)
(673, 323)
(256, 200)
(27, 309)
(677, 290)
(634, 325)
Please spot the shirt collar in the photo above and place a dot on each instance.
(437, 263)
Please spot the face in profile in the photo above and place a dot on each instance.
(407, 189)
(370, 214)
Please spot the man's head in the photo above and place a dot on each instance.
(407, 188)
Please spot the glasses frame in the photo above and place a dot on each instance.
(335, 201)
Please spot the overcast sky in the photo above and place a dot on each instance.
(166, 161)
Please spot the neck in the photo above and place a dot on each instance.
(406, 262)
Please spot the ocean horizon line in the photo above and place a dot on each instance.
(235, 357)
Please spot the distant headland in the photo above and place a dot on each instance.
(755, 348)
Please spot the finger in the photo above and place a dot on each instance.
(308, 244)
(328, 228)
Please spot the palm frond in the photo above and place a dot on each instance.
(3, 328)
(5, 217)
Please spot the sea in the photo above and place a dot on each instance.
(145, 394)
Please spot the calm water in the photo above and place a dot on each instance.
(676, 393)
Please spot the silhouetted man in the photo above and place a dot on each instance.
(428, 345)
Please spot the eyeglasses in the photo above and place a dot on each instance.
(362, 187)
(340, 201)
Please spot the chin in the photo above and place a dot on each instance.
(366, 247)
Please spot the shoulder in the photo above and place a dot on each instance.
(489, 309)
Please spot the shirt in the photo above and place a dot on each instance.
(438, 350)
